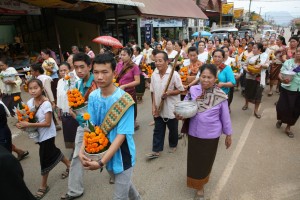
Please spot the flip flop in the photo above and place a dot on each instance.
(245, 108)
(42, 192)
(278, 124)
(152, 155)
(270, 94)
(24, 155)
(65, 174)
(290, 134)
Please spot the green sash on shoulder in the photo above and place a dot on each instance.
(116, 112)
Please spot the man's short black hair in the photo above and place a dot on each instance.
(82, 57)
(105, 59)
(192, 49)
(165, 57)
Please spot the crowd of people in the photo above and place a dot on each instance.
(203, 70)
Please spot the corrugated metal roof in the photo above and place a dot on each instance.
(172, 8)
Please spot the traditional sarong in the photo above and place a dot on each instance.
(54, 87)
(140, 89)
(274, 72)
(50, 155)
(201, 156)
(288, 107)
(69, 125)
(253, 91)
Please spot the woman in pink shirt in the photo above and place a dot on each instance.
(128, 76)
(89, 52)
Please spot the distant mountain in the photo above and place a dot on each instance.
(280, 18)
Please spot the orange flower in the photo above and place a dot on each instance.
(67, 77)
(16, 98)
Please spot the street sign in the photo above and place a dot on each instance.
(148, 32)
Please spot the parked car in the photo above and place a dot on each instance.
(267, 33)
(225, 31)
(242, 32)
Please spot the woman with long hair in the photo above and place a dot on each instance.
(128, 76)
(50, 155)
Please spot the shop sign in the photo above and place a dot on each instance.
(238, 13)
(9, 7)
(148, 32)
(164, 23)
(227, 9)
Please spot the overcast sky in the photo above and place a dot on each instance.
(291, 6)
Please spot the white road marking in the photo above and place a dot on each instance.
(215, 195)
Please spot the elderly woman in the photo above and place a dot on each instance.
(288, 105)
(202, 139)
(255, 81)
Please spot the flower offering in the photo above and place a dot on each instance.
(51, 65)
(76, 100)
(23, 113)
(183, 72)
(95, 140)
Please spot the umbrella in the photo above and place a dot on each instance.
(108, 41)
(202, 33)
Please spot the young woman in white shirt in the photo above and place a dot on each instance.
(170, 50)
(69, 124)
(203, 55)
(137, 56)
(50, 155)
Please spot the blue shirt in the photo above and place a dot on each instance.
(225, 76)
(83, 88)
(98, 106)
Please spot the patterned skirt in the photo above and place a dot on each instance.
(50, 155)
(201, 157)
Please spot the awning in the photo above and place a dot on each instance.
(80, 4)
(120, 2)
(171, 8)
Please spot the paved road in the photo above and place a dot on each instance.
(262, 164)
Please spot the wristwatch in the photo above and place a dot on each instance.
(101, 164)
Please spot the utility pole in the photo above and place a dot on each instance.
(250, 10)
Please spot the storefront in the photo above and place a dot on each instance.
(159, 19)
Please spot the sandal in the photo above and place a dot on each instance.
(270, 94)
(257, 115)
(152, 155)
(68, 197)
(65, 174)
(245, 107)
(41, 192)
(172, 149)
(290, 134)
(111, 180)
(278, 124)
(24, 155)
